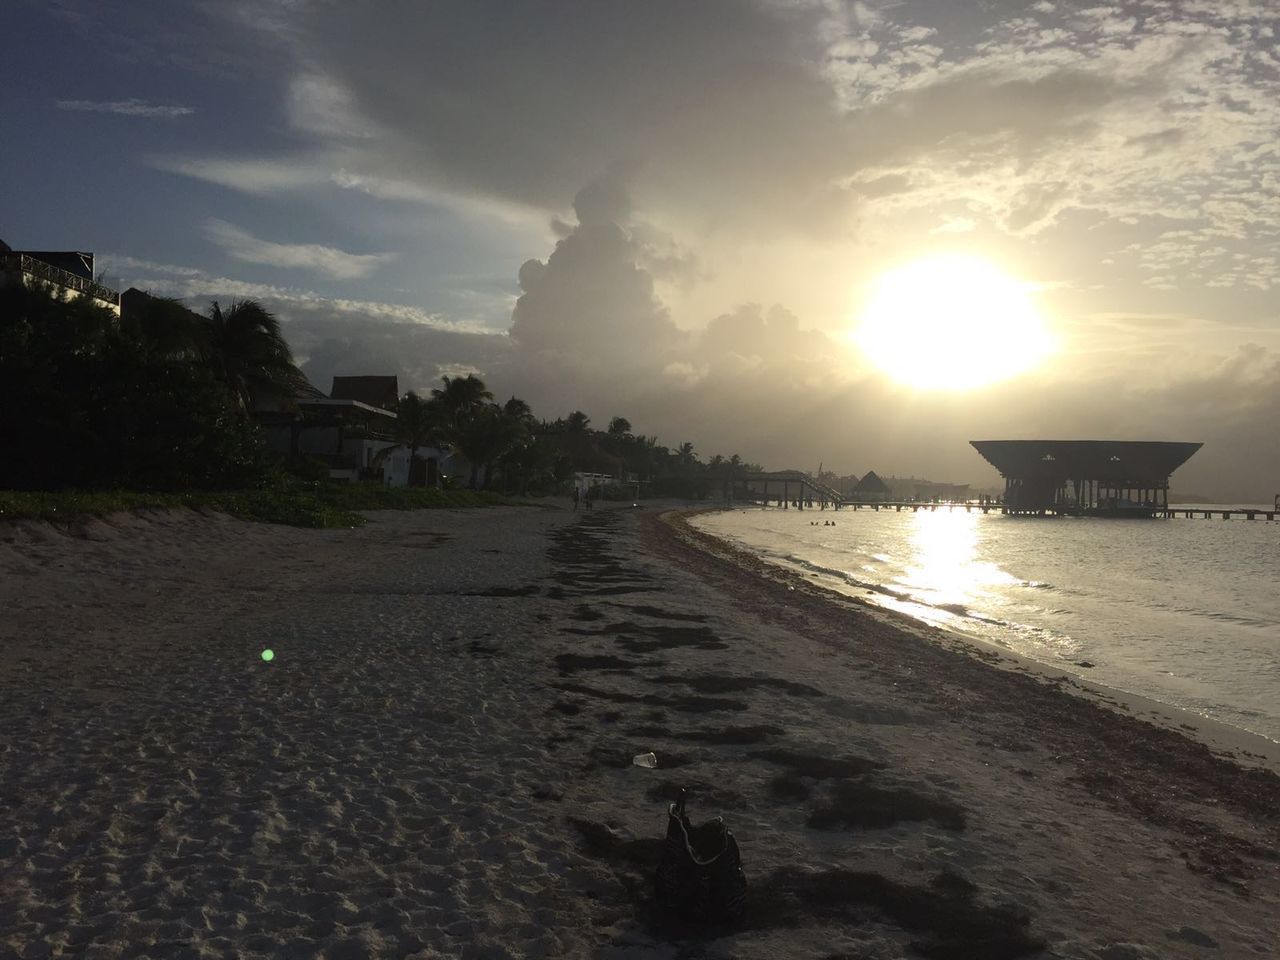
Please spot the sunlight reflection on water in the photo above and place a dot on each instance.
(1182, 611)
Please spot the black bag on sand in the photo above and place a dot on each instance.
(700, 876)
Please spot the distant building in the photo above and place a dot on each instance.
(1092, 477)
(66, 273)
(352, 431)
(871, 487)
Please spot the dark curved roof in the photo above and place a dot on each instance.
(1131, 460)
(871, 483)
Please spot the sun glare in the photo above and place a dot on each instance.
(951, 323)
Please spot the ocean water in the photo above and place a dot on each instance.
(1184, 611)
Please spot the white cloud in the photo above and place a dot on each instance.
(255, 176)
(330, 261)
(191, 283)
(955, 225)
(317, 105)
(126, 108)
(338, 169)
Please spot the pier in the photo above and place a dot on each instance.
(1099, 478)
(1122, 479)
(795, 498)
(790, 488)
(979, 506)
(796, 490)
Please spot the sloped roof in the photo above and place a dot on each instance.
(306, 390)
(871, 484)
(379, 391)
(1134, 461)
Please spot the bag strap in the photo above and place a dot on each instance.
(677, 809)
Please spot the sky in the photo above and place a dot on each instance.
(680, 212)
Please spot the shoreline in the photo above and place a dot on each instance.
(438, 760)
(1230, 741)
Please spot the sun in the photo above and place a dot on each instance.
(951, 323)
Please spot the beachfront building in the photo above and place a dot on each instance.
(352, 431)
(871, 488)
(1087, 477)
(65, 273)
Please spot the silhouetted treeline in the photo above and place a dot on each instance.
(161, 399)
(158, 402)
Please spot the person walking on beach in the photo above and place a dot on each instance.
(576, 495)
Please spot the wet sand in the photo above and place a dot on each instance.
(437, 761)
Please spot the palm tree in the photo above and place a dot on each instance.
(486, 436)
(462, 397)
(419, 423)
(518, 410)
(650, 455)
(577, 422)
(619, 440)
(524, 454)
(247, 351)
(165, 327)
(685, 455)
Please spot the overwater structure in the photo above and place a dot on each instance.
(1086, 477)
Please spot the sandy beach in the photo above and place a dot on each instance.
(437, 761)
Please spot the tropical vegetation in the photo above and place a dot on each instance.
(90, 402)
(161, 401)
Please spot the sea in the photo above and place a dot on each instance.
(1182, 611)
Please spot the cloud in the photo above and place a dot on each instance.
(329, 261)
(756, 150)
(592, 304)
(255, 176)
(334, 336)
(183, 282)
(955, 225)
(718, 110)
(127, 108)
(334, 169)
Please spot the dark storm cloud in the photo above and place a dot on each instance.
(718, 104)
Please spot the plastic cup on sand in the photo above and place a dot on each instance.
(649, 760)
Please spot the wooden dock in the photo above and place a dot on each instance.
(794, 489)
(1211, 513)
(1191, 512)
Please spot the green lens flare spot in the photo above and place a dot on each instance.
(268, 655)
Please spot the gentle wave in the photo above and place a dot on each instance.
(1181, 611)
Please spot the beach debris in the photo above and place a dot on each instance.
(700, 876)
(268, 655)
(647, 760)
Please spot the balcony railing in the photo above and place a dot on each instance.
(43, 271)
